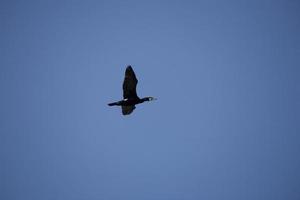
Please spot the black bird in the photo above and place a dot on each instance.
(129, 93)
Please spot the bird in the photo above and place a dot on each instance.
(130, 97)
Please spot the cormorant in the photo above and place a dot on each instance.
(129, 93)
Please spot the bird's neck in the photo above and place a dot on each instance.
(144, 99)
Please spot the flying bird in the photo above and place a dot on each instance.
(130, 97)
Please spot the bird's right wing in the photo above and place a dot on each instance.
(129, 84)
(126, 110)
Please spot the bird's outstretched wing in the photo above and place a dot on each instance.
(129, 84)
(126, 110)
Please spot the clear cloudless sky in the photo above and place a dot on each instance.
(226, 123)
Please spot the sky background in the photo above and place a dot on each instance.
(226, 123)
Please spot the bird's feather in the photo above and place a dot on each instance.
(129, 84)
(126, 110)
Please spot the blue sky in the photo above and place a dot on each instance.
(225, 125)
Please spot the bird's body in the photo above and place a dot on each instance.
(129, 102)
(129, 93)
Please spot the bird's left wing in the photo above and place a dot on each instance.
(126, 110)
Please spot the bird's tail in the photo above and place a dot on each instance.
(113, 104)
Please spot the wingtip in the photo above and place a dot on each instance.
(128, 67)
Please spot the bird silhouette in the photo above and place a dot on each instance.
(130, 97)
